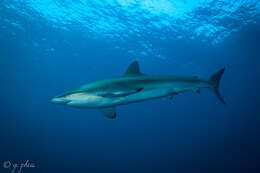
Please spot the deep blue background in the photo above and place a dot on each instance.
(191, 133)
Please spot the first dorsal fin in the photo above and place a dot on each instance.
(133, 69)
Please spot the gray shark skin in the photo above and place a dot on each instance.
(134, 86)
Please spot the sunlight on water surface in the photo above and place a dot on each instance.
(120, 20)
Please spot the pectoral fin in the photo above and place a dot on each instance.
(171, 97)
(109, 112)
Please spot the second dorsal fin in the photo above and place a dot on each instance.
(133, 69)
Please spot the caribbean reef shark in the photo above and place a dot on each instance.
(134, 86)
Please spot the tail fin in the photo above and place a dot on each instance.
(214, 80)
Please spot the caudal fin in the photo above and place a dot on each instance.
(215, 80)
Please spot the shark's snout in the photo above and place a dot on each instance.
(59, 100)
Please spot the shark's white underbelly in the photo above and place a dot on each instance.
(99, 102)
(140, 96)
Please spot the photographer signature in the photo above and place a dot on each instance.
(18, 167)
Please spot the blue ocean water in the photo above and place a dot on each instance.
(50, 46)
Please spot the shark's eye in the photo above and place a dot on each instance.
(63, 95)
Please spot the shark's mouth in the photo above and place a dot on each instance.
(58, 100)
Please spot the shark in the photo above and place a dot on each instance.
(134, 86)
